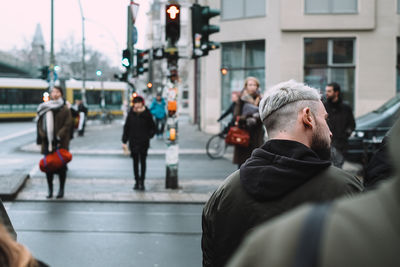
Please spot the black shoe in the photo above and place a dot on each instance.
(136, 186)
(60, 193)
(141, 185)
(50, 194)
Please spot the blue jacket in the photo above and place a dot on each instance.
(158, 109)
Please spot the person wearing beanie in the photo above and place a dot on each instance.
(291, 168)
(139, 128)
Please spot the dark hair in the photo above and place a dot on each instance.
(138, 99)
(335, 86)
(59, 89)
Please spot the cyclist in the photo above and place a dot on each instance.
(230, 110)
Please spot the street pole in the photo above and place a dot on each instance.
(172, 153)
(52, 60)
(83, 89)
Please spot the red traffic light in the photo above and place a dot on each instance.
(172, 23)
(173, 11)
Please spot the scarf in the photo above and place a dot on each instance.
(46, 109)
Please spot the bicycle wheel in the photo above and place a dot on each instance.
(216, 147)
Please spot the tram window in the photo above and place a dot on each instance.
(113, 98)
(93, 97)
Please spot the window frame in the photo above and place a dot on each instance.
(243, 16)
(330, 9)
(330, 66)
(244, 68)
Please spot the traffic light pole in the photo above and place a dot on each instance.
(52, 60)
(172, 154)
(172, 31)
(83, 89)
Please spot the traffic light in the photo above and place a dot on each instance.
(141, 59)
(201, 29)
(126, 58)
(44, 72)
(172, 23)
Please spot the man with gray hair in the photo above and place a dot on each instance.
(291, 168)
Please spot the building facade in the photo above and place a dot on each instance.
(352, 42)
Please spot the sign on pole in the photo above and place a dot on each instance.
(134, 7)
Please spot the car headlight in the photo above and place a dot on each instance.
(360, 134)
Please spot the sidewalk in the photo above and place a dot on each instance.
(101, 146)
(104, 141)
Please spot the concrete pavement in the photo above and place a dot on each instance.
(104, 140)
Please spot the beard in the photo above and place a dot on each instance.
(320, 145)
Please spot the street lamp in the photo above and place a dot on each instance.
(83, 90)
(99, 74)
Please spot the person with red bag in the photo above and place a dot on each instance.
(54, 123)
(248, 119)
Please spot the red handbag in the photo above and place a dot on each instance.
(55, 161)
(237, 136)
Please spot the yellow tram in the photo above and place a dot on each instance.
(19, 97)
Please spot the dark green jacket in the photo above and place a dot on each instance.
(362, 231)
(260, 192)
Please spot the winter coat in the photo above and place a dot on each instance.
(254, 126)
(139, 128)
(62, 128)
(279, 176)
(158, 109)
(362, 231)
(341, 123)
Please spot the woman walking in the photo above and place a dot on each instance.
(248, 118)
(139, 128)
(54, 130)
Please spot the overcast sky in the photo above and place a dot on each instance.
(105, 25)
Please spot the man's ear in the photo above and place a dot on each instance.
(307, 118)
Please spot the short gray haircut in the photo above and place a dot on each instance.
(281, 102)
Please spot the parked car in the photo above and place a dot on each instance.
(370, 130)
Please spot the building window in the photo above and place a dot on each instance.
(330, 60)
(241, 59)
(237, 9)
(330, 6)
(398, 6)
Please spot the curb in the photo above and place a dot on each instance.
(15, 188)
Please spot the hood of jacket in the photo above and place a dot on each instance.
(278, 167)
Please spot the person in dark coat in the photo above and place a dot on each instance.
(291, 168)
(341, 122)
(247, 117)
(361, 231)
(54, 129)
(139, 128)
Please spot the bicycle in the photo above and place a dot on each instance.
(216, 146)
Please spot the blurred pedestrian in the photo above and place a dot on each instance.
(82, 112)
(289, 169)
(341, 122)
(247, 117)
(157, 109)
(14, 254)
(139, 128)
(362, 231)
(230, 111)
(54, 128)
